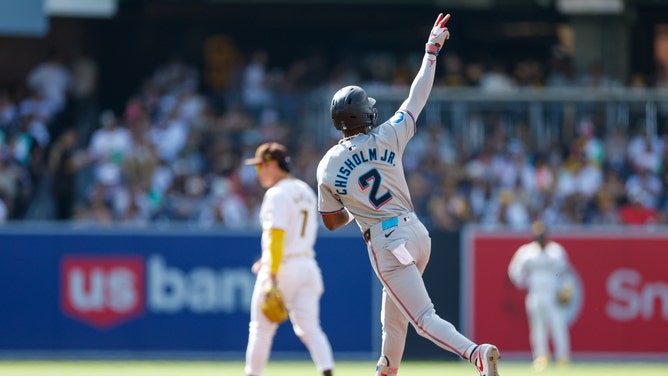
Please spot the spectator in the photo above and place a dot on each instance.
(35, 104)
(228, 205)
(511, 211)
(169, 136)
(605, 210)
(97, 210)
(597, 78)
(645, 151)
(496, 79)
(168, 115)
(52, 79)
(65, 160)
(561, 72)
(528, 74)
(454, 72)
(592, 147)
(634, 213)
(256, 87)
(614, 186)
(615, 149)
(85, 80)
(133, 206)
(110, 145)
(645, 187)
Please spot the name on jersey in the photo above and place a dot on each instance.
(360, 157)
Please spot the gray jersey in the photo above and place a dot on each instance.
(365, 173)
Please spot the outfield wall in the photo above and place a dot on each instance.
(175, 290)
(179, 291)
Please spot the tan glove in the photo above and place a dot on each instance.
(565, 295)
(273, 306)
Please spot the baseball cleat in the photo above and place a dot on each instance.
(485, 358)
(540, 363)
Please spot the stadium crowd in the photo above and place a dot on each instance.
(174, 152)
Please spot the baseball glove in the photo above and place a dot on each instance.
(565, 295)
(272, 305)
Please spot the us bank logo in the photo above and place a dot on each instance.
(105, 291)
(102, 291)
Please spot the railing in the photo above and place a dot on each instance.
(548, 115)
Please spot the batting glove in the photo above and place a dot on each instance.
(439, 34)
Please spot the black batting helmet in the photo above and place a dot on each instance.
(352, 108)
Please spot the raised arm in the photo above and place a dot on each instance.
(424, 80)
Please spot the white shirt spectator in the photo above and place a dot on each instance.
(255, 90)
(566, 183)
(37, 105)
(518, 169)
(109, 147)
(589, 179)
(645, 152)
(585, 180)
(37, 128)
(169, 138)
(52, 79)
(496, 80)
(646, 187)
(517, 215)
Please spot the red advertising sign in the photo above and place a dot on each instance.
(621, 305)
(102, 291)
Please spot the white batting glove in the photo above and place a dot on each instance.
(439, 34)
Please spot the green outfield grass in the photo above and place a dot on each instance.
(303, 368)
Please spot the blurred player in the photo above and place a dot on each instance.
(289, 227)
(362, 178)
(540, 268)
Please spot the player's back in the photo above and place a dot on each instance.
(290, 205)
(366, 173)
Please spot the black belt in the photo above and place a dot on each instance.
(367, 235)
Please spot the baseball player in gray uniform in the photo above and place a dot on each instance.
(362, 178)
(289, 228)
(541, 267)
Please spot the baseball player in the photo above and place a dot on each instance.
(540, 267)
(289, 226)
(362, 178)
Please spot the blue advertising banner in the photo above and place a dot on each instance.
(163, 290)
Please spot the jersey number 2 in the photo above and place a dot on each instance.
(372, 179)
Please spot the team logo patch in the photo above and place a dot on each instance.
(102, 291)
(397, 118)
